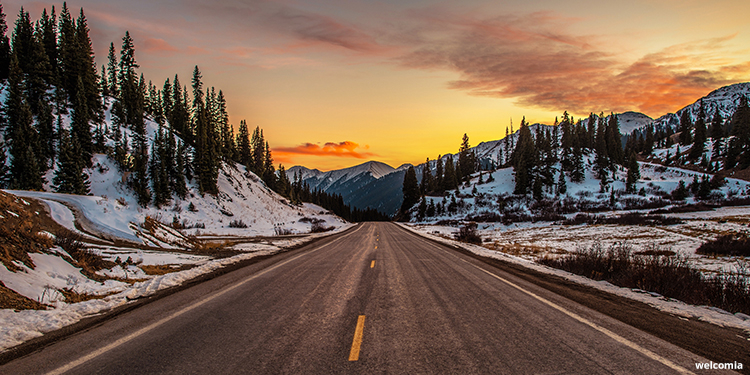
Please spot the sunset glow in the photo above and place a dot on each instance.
(336, 83)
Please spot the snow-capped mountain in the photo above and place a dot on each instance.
(324, 180)
(369, 185)
(725, 100)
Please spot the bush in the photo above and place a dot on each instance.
(726, 245)
(237, 224)
(89, 261)
(319, 228)
(657, 270)
(468, 233)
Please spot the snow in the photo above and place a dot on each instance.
(50, 274)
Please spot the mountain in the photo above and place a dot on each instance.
(724, 99)
(369, 185)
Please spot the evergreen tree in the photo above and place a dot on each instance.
(466, 159)
(449, 175)
(258, 143)
(243, 143)
(410, 189)
(523, 160)
(179, 187)
(4, 48)
(740, 125)
(69, 176)
(80, 127)
(427, 181)
(439, 174)
(601, 161)
(686, 124)
(25, 171)
(699, 140)
(48, 31)
(562, 186)
(717, 134)
(87, 70)
(4, 172)
(634, 173)
(614, 143)
(112, 70)
(206, 166)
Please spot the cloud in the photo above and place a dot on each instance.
(346, 149)
(533, 60)
(158, 45)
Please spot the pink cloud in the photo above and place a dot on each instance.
(346, 149)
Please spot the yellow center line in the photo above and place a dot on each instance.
(354, 353)
(372, 264)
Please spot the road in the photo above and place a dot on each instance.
(376, 299)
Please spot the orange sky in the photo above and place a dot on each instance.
(337, 83)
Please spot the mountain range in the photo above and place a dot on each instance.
(378, 185)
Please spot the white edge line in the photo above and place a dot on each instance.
(123, 340)
(591, 324)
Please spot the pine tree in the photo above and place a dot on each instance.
(601, 160)
(614, 143)
(740, 124)
(562, 186)
(439, 174)
(686, 124)
(466, 160)
(523, 160)
(4, 172)
(80, 127)
(449, 175)
(634, 173)
(25, 169)
(87, 70)
(67, 53)
(410, 190)
(179, 187)
(243, 143)
(4, 47)
(258, 144)
(69, 176)
(427, 180)
(113, 72)
(204, 159)
(48, 31)
(699, 140)
(269, 172)
(717, 134)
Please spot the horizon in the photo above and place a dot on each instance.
(335, 83)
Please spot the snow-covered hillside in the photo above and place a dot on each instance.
(725, 100)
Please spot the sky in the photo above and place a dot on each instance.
(337, 83)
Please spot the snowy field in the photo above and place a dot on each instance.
(532, 241)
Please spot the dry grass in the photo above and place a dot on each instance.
(660, 272)
(72, 296)
(9, 299)
(523, 250)
(20, 231)
(163, 269)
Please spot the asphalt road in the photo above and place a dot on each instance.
(376, 299)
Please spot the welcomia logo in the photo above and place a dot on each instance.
(718, 366)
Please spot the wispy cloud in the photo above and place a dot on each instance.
(345, 149)
(533, 60)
